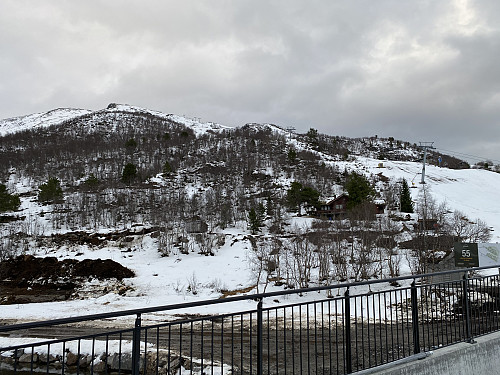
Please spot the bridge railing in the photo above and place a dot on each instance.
(337, 329)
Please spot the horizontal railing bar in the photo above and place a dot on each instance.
(335, 299)
(68, 339)
(199, 319)
(257, 296)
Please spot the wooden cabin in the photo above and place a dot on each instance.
(336, 208)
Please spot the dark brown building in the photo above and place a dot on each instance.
(336, 208)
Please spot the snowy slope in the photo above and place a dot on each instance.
(37, 120)
(165, 280)
(472, 191)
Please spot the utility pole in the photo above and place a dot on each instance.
(425, 146)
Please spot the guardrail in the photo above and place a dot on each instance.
(355, 326)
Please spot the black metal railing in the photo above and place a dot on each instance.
(349, 328)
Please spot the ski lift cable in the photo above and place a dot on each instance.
(475, 157)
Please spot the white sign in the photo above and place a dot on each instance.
(489, 254)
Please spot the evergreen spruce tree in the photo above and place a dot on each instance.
(299, 194)
(51, 191)
(269, 207)
(129, 173)
(254, 222)
(131, 143)
(405, 198)
(312, 134)
(293, 196)
(292, 155)
(261, 213)
(310, 196)
(91, 182)
(167, 168)
(359, 189)
(8, 202)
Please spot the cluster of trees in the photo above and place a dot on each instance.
(228, 170)
(431, 242)
(299, 194)
(326, 252)
(224, 179)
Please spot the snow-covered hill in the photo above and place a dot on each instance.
(37, 120)
(165, 280)
(61, 115)
(219, 177)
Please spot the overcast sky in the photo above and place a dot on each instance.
(414, 70)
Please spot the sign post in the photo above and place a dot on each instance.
(476, 254)
(466, 255)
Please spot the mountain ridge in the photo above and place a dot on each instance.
(61, 115)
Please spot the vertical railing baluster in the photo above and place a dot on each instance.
(144, 362)
(232, 343)
(308, 341)
(241, 341)
(259, 338)
(276, 340)
(202, 335)
(285, 355)
(119, 353)
(356, 335)
(414, 318)
(268, 344)
(136, 346)
(468, 323)
(221, 347)
(347, 330)
(48, 360)
(16, 360)
(191, 339)
(157, 350)
(63, 354)
(293, 343)
(212, 330)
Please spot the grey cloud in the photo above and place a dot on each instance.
(413, 70)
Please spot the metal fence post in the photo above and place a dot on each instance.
(347, 333)
(136, 346)
(414, 318)
(260, 349)
(468, 322)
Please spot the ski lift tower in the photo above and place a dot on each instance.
(425, 146)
